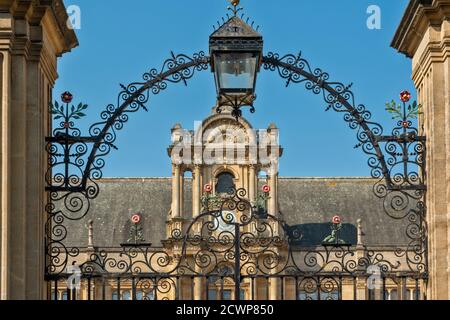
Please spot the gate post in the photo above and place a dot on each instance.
(424, 35)
(28, 72)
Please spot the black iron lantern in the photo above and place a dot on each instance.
(236, 55)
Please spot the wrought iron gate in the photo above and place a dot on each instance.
(252, 249)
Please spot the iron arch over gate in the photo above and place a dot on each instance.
(238, 256)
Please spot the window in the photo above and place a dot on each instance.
(115, 295)
(126, 295)
(225, 183)
(212, 294)
(333, 295)
(393, 295)
(371, 293)
(303, 295)
(226, 295)
(150, 295)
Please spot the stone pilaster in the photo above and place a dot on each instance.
(181, 195)
(252, 183)
(199, 283)
(196, 191)
(176, 191)
(424, 36)
(273, 201)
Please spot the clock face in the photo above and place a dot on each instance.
(225, 222)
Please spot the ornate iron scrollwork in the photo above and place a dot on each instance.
(402, 191)
(235, 233)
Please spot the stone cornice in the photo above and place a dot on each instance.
(419, 15)
(435, 53)
(61, 17)
(48, 14)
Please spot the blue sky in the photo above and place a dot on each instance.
(119, 41)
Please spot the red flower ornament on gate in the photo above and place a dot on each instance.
(337, 220)
(136, 218)
(67, 97)
(207, 188)
(266, 189)
(405, 96)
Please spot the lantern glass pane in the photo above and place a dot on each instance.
(236, 71)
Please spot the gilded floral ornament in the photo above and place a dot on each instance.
(333, 238)
(66, 112)
(209, 200)
(403, 111)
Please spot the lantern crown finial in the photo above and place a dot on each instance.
(235, 9)
(236, 56)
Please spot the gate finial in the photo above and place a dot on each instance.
(91, 234)
(360, 233)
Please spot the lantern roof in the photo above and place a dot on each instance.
(235, 27)
(235, 34)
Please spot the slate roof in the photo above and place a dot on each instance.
(305, 203)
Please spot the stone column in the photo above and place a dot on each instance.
(252, 183)
(4, 112)
(196, 191)
(272, 203)
(361, 288)
(17, 173)
(181, 195)
(274, 292)
(176, 191)
(199, 285)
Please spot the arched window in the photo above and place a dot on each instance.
(394, 295)
(126, 295)
(225, 182)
